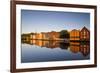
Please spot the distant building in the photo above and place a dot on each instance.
(52, 35)
(32, 36)
(37, 36)
(45, 36)
(75, 35)
(25, 36)
(85, 34)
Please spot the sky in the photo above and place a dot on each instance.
(46, 21)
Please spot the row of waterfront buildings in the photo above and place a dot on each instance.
(75, 35)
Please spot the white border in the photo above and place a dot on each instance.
(20, 65)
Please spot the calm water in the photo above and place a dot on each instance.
(43, 51)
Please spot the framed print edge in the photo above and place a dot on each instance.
(13, 36)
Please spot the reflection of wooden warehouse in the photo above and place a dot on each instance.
(52, 44)
(74, 47)
(53, 35)
(75, 35)
(85, 34)
(85, 49)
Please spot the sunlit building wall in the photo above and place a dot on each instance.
(85, 34)
(75, 35)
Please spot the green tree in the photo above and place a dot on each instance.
(64, 34)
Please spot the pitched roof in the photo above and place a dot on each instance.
(84, 28)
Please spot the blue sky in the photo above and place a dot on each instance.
(46, 21)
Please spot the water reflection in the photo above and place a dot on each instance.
(83, 47)
(74, 47)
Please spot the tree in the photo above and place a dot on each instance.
(64, 34)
